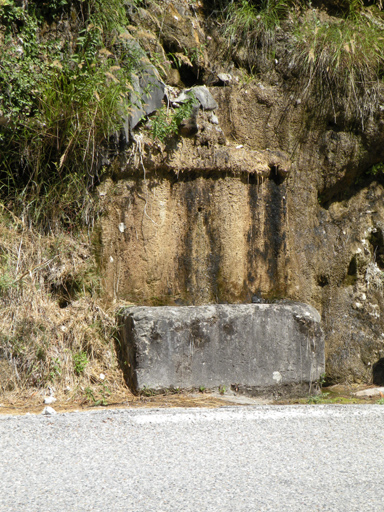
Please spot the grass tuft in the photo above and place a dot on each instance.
(343, 60)
(250, 28)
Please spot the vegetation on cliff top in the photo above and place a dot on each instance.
(63, 88)
(335, 50)
(66, 74)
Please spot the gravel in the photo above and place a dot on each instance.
(259, 458)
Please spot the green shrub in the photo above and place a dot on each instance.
(59, 105)
(166, 121)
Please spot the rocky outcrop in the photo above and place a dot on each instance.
(276, 198)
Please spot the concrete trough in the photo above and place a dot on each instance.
(253, 348)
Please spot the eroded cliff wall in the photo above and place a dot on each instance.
(277, 198)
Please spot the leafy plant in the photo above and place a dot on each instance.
(376, 170)
(103, 391)
(59, 106)
(167, 120)
(322, 379)
(195, 54)
(55, 369)
(147, 391)
(80, 361)
(318, 399)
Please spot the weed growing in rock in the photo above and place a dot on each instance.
(166, 121)
(343, 59)
(146, 391)
(102, 393)
(318, 399)
(250, 28)
(376, 170)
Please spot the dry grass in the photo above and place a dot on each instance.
(54, 330)
(31, 402)
(343, 59)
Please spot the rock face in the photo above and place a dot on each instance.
(256, 348)
(148, 91)
(277, 198)
(196, 241)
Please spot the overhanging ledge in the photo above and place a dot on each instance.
(254, 348)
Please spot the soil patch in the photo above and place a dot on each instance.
(32, 402)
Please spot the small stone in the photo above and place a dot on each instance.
(48, 411)
(225, 77)
(214, 119)
(371, 392)
(205, 98)
(49, 399)
(121, 227)
(201, 93)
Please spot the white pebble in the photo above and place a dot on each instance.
(48, 411)
(49, 399)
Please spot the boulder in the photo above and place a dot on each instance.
(201, 93)
(253, 348)
(370, 392)
(147, 94)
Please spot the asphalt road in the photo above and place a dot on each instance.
(259, 458)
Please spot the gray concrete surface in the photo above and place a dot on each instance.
(263, 458)
(256, 348)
